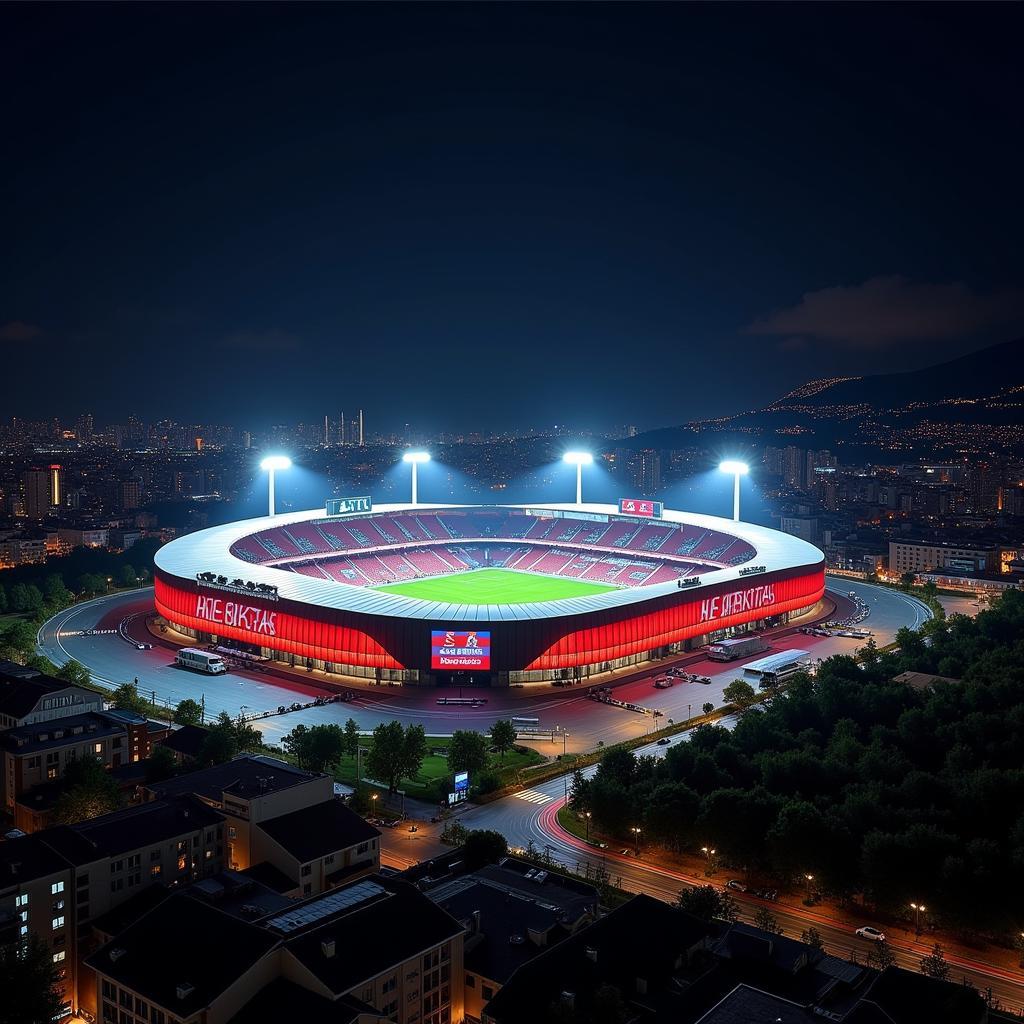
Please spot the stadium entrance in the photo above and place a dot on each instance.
(474, 680)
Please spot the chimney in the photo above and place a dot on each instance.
(475, 929)
(327, 948)
(184, 990)
(590, 952)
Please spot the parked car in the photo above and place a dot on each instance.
(664, 741)
(736, 885)
(867, 932)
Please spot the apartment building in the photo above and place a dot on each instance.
(28, 697)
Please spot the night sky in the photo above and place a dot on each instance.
(489, 217)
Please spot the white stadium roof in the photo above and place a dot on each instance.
(208, 551)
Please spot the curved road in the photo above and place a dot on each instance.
(113, 660)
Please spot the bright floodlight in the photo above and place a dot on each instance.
(270, 465)
(737, 469)
(414, 459)
(579, 460)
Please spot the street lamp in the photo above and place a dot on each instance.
(414, 459)
(737, 469)
(636, 840)
(270, 465)
(918, 909)
(579, 460)
(588, 826)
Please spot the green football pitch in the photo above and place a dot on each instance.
(494, 586)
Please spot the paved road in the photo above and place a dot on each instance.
(112, 660)
(531, 816)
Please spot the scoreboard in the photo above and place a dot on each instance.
(460, 649)
(641, 507)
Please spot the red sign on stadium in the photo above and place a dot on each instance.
(640, 507)
(452, 649)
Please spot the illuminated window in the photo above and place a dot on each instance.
(56, 887)
(21, 900)
(58, 957)
(58, 922)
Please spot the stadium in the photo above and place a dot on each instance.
(481, 594)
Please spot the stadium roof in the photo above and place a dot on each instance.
(208, 551)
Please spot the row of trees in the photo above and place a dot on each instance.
(395, 752)
(869, 785)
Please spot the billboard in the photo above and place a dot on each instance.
(460, 791)
(641, 507)
(343, 506)
(455, 649)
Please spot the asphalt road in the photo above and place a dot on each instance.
(113, 660)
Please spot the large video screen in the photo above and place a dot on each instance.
(641, 507)
(456, 649)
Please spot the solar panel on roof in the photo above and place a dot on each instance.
(327, 905)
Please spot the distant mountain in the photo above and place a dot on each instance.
(969, 406)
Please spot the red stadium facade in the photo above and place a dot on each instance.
(355, 629)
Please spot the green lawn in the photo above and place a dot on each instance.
(495, 586)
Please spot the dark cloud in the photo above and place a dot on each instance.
(887, 311)
(18, 331)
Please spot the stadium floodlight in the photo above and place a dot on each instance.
(414, 459)
(579, 460)
(270, 465)
(737, 469)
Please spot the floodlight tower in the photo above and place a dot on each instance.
(737, 469)
(414, 459)
(579, 460)
(270, 465)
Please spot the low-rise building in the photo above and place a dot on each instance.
(28, 697)
(374, 950)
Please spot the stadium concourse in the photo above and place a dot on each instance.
(103, 635)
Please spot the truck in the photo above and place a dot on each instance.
(200, 661)
(738, 647)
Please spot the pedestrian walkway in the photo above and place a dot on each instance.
(533, 796)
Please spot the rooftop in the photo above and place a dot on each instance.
(27, 858)
(130, 828)
(315, 831)
(284, 1000)
(745, 1005)
(182, 954)
(21, 691)
(27, 739)
(246, 776)
(187, 740)
(390, 925)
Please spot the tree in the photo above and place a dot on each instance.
(579, 792)
(18, 640)
(503, 737)
(812, 937)
(934, 964)
(396, 753)
(740, 693)
(483, 846)
(127, 698)
(188, 712)
(767, 921)
(707, 707)
(351, 737)
(881, 956)
(161, 764)
(226, 738)
(28, 980)
(316, 747)
(75, 673)
(89, 790)
(128, 577)
(3, 600)
(19, 598)
(467, 751)
(708, 903)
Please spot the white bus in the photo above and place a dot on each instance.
(200, 661)
(526, 720)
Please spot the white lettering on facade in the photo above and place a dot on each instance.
(234, 613)
(748, 600)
